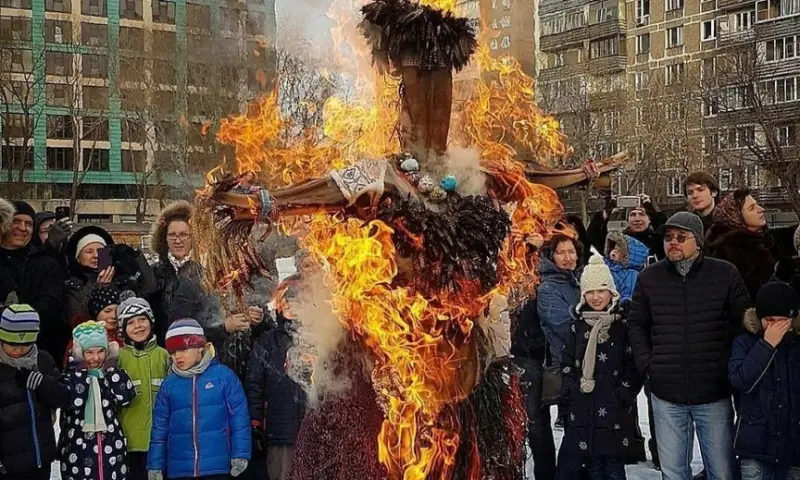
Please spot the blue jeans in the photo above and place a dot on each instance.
(607, 467)
(675, 427)
(757, 470)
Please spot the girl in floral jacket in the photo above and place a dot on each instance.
(92, 446)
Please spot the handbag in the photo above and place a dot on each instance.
(551, 381)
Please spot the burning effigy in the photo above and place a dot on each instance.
(424, 245)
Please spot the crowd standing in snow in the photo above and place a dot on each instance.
(701, 310)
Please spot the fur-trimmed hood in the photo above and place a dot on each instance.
(6, 216)
(752, 323)
(634, 252)
(180, 210)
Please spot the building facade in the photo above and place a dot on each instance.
(123, 95)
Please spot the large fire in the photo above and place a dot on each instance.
(419, 341)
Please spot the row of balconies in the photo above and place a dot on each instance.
(558, 41)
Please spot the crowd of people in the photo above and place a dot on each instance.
(147, 378)
(700, 309)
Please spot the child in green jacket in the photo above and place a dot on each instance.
(147, 365)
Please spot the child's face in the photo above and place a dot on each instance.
(138, 328)
(16, 351)
(186, 359)
(598, 300)
(109, 315)
(767, 321)
(615, 255)
(94, 357)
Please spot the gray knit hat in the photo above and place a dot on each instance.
(689, 222)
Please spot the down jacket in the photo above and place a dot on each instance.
(556, 296)
(626, 270)
(681, 328)
(768, 381)
(27, 441)
(199, 424)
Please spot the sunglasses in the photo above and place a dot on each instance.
(680, 237)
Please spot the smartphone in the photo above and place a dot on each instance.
(629, 201)
(104, 259)
(62, 212)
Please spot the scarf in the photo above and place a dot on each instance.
(198, 369)
(29, 361)
(93, 418)
(729, 213)
(600, 322)
(177, 264)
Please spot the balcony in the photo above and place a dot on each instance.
(727, 39)
(558, 73)
(554, 6)
(606, 65)
(606, 29)
(559, 41)
(734, 4)
(778, 27)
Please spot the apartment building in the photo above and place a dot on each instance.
(512, 30)
(123, 94)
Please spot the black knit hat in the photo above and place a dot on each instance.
(100, 298)
(24, 208)
(777, 299)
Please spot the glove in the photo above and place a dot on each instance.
(28, 378)
(238, 465)
(58, 233)
(125, 258)
(258, 437)
(155, 475)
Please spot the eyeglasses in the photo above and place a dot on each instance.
(680, 237)
(178, 236)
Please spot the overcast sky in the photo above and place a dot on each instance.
(308, 13)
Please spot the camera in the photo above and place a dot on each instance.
(629, 201)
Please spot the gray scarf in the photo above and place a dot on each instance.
(198, 369)
(600, 322)
(177, 264)
(29, 361)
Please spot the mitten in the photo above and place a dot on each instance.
(28, 378)
(124, 258)
(155, 475)
(238, 465)
(58, 233)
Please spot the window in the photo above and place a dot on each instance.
(641, 79)
(132, 99)
(165, 42)
(254, 23)
(60, 127)
(57, 32)
(132, 131)
(737, 138)
(675, 36)
(133, 161)
(94, 34)
(131, 9)
(17, 157)
(786, 135)
(751, 176)
(743, 21)
(673, 5)
(675, 111)
(18, 126)
(229, 19)
(94, 7)
(163, 72)
(95, 66)
(711, 107)
(789, 7)
(604, 48)
(563, 22)
(674, 73)
(642, 9)
(708, 31)
(59, 158)
(95, 128)
(198, 16)
(782, 48)
(164, 11)
(725, 179)
(643, 44)
(21, 4)
(710, 143)
(95, 159)
(64, 6)
(59, 95)
(15, 29)
(17, 60)
(58, 63)
(708, 69)
(95, 97)
(782, 90)
(738, 97)
(606, 12)
(132, 39)
(675, 186)
(131, 69)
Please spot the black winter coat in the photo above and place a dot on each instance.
(768, 382)
(27, 440)
(168, 282)
(275, 400)
(38, 280)
(529, 347)
(681, 329)
(597, 423)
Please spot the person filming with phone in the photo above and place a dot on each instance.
(95, 261)
(644, 219)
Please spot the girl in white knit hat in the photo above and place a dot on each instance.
(600, 381)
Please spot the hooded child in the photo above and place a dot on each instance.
(765, 369)
(92, 445)
(599, 381)
(201, 425)
(147, 365)
(625, 257)
(30, 393)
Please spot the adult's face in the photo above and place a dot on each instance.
(753, 214)
(21, 232)
(89, 254)
(565, 256)
(679, 245)
(179, 239)
(699, 197)
(44, 229)
(638, 221)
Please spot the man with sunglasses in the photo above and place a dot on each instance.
(685, 311)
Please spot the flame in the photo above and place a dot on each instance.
(445, 5)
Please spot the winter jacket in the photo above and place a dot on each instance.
(768, 381)
(597, 422)
(147, 370)
(38, 279)
(79, 459)
(276, 402)
(557, 294)
(199, 424)
(529, 348)
(27, 440)
(626, 270)
(681, 329)
(754, 254)
(169, 282)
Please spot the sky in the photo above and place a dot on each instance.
(310, 14)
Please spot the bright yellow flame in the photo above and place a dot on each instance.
(445, 5)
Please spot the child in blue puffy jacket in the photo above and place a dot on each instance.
(201, 424)
(625, 257)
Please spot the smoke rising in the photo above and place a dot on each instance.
(464, 163)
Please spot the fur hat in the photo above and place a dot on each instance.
(180, 210)
(6, 216)
(597, 276)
